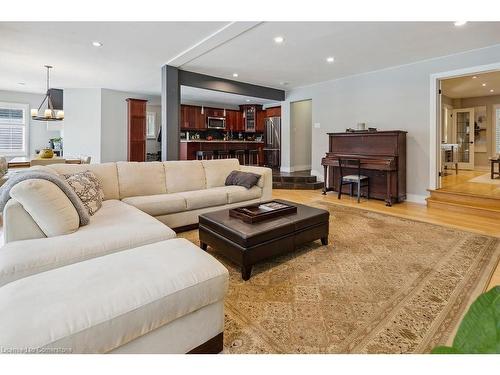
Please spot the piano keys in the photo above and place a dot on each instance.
(382, 155)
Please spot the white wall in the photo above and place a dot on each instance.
(96, 123)
(114, 122)
(395, 98)
(82, 123)
(301, 135)
(38, 134)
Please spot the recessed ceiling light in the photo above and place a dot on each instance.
(279, 39)
(284, 83)
(21, 83)
(235, 75)
(474, 77)
(492, 90)
(248, 100)
(97, 44)
(460, 23)
(330, 59)
(483, 84)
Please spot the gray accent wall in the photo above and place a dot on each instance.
(395, 98)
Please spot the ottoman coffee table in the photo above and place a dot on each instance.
(246, 244)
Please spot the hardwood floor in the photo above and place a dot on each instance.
(461, 183)
(407, 210)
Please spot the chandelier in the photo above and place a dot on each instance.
(49, 114)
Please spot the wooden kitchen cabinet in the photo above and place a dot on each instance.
(191, 118)
(273, 112)
(136, 124)
(214, 112)
(234, 121)
(259, 125)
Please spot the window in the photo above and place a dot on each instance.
(151, 125)
(13, 129)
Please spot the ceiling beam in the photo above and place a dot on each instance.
(203, 81)
(228, 32)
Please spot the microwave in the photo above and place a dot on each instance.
(216, 123)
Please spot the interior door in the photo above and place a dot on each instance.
(463, 134)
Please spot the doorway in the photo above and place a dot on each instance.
(469, 138)
(301, 135)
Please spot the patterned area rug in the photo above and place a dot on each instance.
(383, 285)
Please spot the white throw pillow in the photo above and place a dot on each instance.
(49, 207)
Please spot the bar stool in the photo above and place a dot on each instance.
(241, 156)
(204, 155)
(253, 157)
(222, 154)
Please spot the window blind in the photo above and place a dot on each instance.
(12, 129)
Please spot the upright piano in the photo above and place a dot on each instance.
(382, 156)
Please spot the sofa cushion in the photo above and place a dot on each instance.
(184, 175)
(237, 194)
(106, 173)
(48, 205)
(138, 179)
(100, 304)
(159, 204)
(88, 188)
(204, 198)
(216, 171)
(115, 227)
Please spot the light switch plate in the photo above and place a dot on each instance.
(317, 125)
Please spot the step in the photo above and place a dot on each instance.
(298, 179)
(466, 199)
(464, 208)
(298, 185)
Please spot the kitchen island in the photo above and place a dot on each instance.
(188, 148)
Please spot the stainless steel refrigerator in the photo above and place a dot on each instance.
(272, 139)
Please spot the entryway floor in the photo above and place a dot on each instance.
(460, 183)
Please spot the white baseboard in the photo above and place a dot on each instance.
(319, 175)
(416, 198)
(295, 168)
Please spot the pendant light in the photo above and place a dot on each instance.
(49, 114)
(202, 110)
(224, 113)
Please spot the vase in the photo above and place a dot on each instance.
(46, 153)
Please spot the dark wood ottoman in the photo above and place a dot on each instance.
(246, 244)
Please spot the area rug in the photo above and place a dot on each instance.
(382, 285)
(485, 179)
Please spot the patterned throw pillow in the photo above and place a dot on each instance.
(88, 188)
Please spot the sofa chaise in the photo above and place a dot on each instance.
(123, 283)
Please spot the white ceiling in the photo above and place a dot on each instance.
(468, 87)
(133, 53)
(192, 95)
(129, 60)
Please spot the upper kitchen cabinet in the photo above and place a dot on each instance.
(250, 117)
(234, 121)
(214, 112)
(261, 118)
(192, 118)
(273, 112)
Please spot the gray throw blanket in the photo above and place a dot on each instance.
(55, 179)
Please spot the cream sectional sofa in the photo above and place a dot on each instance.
(123, 283)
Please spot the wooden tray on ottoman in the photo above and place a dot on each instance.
(263, 211)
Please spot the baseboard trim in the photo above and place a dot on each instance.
(416, 198)
(295, 168)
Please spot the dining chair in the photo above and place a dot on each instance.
(358, 179)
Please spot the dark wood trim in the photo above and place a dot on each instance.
(185, 228)
(212, 346)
